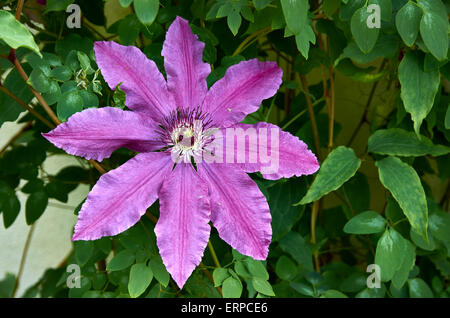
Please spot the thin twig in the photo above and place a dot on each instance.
(24, 105)
(16, 136)
(22, 260)
(311, 115)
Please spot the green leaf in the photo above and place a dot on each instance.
(159, 271)
(385, 7)
(332, 293)
(57, 5)
(15, 34)
(418, 88)
(234, 21)
(434, 27)
(340, 165)
(447, 118)
(83, 251)
(409, 258)
(39, 81)
(294, 244)
(404, 184)
(125, 3)
(121, 261)
(69, 103)
(295, 14)
(407, 22)
(303, 289)
(85, 285)
(257, 269)
(53, 94)
(330, 6)
(365, 37)
(262, 286)
(146, 10)
(367, 222)
(419, 289)
(399, 142)
(439, 225)
(219, 275)
(285, 268)
(303, 38)
(35, 206)
(9, 204)
(390, 253)
(61, 73)
(231, 288)
(261, 4)
(140, 278)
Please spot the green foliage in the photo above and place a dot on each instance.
(381, 117)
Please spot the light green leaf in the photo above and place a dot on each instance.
(409, 258)
(159, 271)
(125, 3)
(340, 165)
(15, 34)
(367, 222)
(390, 253)
(365, 37)
(404, 184)
(146, 10)
(303, 38)
(262, 286)
(219, 275)
(399, 142)
(234, 21)
(231, 288)
(408, 22)
(140, 278)
(434, 27)
(257, 269)
(332, 293)
(122, 260)
(296, 14)
(418, 88)
(419, 289)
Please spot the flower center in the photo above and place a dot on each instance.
(185, 132)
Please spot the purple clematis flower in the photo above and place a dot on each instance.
(169, 120)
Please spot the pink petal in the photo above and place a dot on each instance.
(143, 84)
(96, 132)
(182, 230)
(186, 72)
(241, 91)
(122, 196)
(278, 153)
(239, 210)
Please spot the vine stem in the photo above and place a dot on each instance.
(311, 115)
(22, 260)
(24, 105)
(16, 136)
(249, 38)
(314, 214)
(366, 108)
(213, 254)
